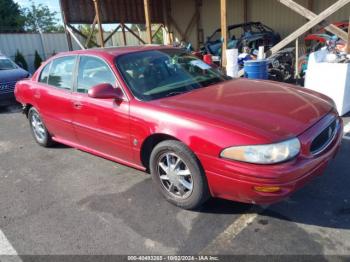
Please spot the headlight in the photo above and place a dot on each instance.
(264, 154)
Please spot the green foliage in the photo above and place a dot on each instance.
(11, 18)
(37, 60)
(19, 60)
(158, 38)
(86, 30)
(39, 18)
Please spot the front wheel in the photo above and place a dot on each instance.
(39, 131)
(178, 174)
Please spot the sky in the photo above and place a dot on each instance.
(52, 4)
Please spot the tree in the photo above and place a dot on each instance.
(86, 30)
(39, 18)
(20, 60)
(11, 19)
(37, 60)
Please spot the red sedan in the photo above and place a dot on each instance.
(197, 132)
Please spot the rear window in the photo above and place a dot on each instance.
(61, 72)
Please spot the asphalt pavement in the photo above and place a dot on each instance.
(64, 201)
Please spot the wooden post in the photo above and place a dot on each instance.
(124, 35)
(245, 11)
(92, 32)
(296, 73)
(310, 15)
(75, 38)
(348, 43)
(148, 21)
(223, 12)
(98, 15)
(68, 37)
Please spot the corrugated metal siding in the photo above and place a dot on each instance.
(342, 15)
(27, 44)
(50, 44)
(276, 15)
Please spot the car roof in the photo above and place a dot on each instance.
(116, 51)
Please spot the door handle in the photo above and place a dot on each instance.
(77, 105)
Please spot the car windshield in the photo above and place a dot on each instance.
(162, 73)
(7, 64)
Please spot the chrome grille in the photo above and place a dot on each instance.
(7, 87)
(322, 141)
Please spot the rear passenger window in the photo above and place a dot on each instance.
(61, 72)
(93, 71)
(45, 74)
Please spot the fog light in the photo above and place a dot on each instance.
(267, 189)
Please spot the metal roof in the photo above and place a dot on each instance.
(112, 11)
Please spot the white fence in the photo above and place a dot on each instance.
(49, 43)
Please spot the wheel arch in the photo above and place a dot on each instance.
(26, 108)
(149, 144)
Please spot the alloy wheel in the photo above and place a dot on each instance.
(175, 176)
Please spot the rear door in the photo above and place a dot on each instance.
(101, 125)
(54, 97)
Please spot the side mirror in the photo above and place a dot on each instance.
(105, 91)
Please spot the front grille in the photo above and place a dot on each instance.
(324, 138)
(7, 87)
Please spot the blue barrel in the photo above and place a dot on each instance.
(256, 69)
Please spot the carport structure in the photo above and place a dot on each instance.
(190, 20)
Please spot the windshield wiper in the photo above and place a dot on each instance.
(175, 93)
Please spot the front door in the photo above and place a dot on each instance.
(101, 125)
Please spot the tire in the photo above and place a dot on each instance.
(182, 182)
(42, 137)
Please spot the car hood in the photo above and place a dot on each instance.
(271, 110)
(12, 75)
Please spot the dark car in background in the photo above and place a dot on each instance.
(252, 34)
(10, 73)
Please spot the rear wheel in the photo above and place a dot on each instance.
(178, 174)
(39, 131)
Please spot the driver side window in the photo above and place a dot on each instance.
(93, 71)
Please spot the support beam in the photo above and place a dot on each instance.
(111, 34)
(148, 21)
(326, 13)
(92, 32)
(98, 15)
(68, 37)
(191, 24)
(223, 12)
(156, 32)
(81, 34)
(245, 11)
(124, 35)
(199, 31)
(310, 15)
(177, 28)
(134, 34)
(75, 38)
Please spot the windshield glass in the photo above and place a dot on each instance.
(7, 64)
(161, 73)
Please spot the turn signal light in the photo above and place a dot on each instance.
(267, 189)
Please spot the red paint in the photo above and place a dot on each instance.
(318, 38)
(237, 112)
(106, 91)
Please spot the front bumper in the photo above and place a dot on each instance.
(236, 181)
